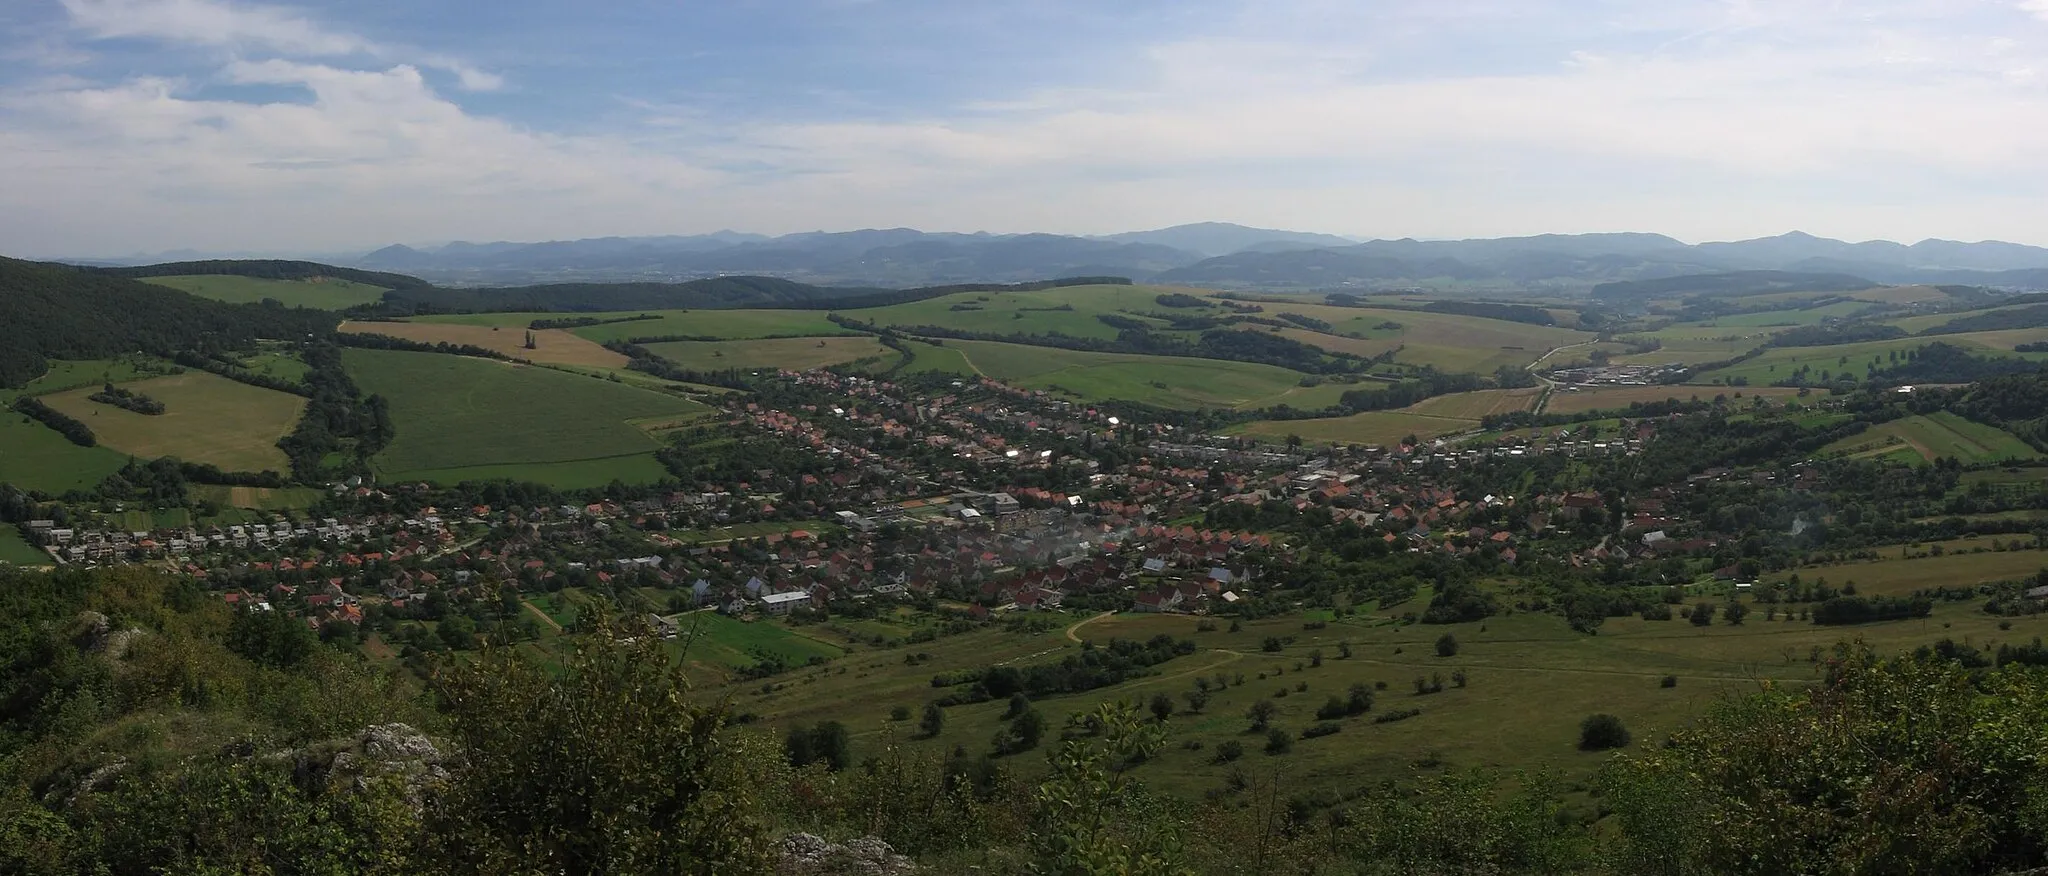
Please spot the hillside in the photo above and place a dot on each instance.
(270, 269)
(56, 311)
(1730, 285)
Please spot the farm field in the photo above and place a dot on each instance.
(795, 354)
(207, 419)
(553, 346)
(461, 418)
(323, 294)
(1166, 381)
(1933, 436)
(1615, 397)
(1372, 427)
(1476, 405)
(932, 357)
(1779, 363)
(1532, 679)
(257, 498)
(73, 374)
(1451, 342)
(1789, 317)
(1897, 576)
(34, 457)
(16, 551)
(722, 642)
(731, 324)
(1033, 313)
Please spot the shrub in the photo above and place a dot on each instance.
(1279, 741)
(1602, 732)
(1229, 750)
(900, 713)
(1323, 729)
(1447, 645)
(1669, 681)
(1395, 715)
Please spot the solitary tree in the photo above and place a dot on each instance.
(934, 720)
(1162, 706)
(1601, 732)
(1261, 714)
(1447, 645)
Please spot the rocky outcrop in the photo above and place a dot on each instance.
(804, 854)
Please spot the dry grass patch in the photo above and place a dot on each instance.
(552, 346)
(207, 419)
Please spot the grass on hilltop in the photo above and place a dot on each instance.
(732, 324)
(323, 293)
(795, 354)
(461, 418)
(552, 346)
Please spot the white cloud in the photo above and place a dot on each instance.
(2038, 7)
(244, 28)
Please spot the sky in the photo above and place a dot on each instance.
(336, 126)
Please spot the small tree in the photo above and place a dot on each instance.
(1162, 706)
(1198, 699)
(1019, 704)
(1229, 750)
(1261, 714)
(934, 720)
(1702, 614)
(1735, 612)
(1279, 741)
(900, 713)
(1315, 657)
(1358, 700)
(1343, 650)
(1447, 645)
(1602, 732)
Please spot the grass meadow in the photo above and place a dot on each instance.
(461, 418)
(323, 294)
(551, 346)
(1933, 436)
(16, 551)
(795, 354)
(207, 419)
(1165, 381)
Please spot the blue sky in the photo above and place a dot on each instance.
(148, 125)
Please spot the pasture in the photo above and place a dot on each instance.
(1531, 679)
(550, 346)
(323, 293)
(461, 418)
(1780, 363)
(1617, 397)
(795, 354)
(1447, 341)
(712, 641)
(16, 551)
(1070, 310)
(1475, 406)
(935, 358)
(1933, 436)
(34, 457)
(728, 324)
(1165, 381)
(1788, 317)
(257, 498)
(207, 419)
(1384, 428)
(1899, 575)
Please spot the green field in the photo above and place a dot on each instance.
(733, 324)
(208, 419)
(1165, 381)
(34, 457)
(720, 641)
(1779, 363)
(323, 293)
(1804, 316)
(461, 418)
(932, 357)
(1896, 576)
(257, 498)
(1531, 680)
(795, 354)
(1372, 427)
(16, 551)
(1933, 436)
(1033, 313)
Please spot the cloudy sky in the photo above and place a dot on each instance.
(328, 125)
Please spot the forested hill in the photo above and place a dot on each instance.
(58, 311)
(714, 292)
(1735, 284)
(271, 269)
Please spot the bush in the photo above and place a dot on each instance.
(1279, 741)
(1323, 729)
(1447, 645)
(1229, 750)
(1395, 715)
(1669, 681)
(900, 713)
(1602, 732)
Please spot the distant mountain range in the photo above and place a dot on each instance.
(1205, 254)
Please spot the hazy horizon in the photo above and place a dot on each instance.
(146, 126)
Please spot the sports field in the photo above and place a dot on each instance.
(1384, 428)
(795, 354)
(207, 419)
(733, 324)
(1165, 381)
(1933, 436)
(323, 293)
(553, 346)
(462, 418)
(1616, 397)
